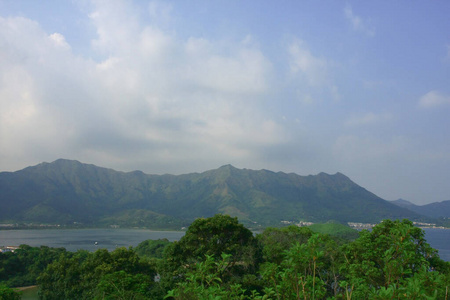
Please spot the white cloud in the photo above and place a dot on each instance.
(59, 40)
(116, 23)
(154, 99)
(358, 24)
(367, 119)
(312, 67)
(160, 12)
(433, 99)
(312, 74)
(244, 71)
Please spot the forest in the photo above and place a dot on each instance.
(219, 258)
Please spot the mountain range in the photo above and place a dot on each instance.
(68, 192)
(432, 210)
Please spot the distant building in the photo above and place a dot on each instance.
(8, 249)
(299, 224)
(304, 224)
(7, 225)
(426, 225)
(360, 226)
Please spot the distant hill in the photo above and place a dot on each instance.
(335, 229)
(67, 191)
(404, 203)
(432, 210)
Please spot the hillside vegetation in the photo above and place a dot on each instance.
(65, 191)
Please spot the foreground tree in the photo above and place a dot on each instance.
(307, 270)
(393, 260)
(213, 237)
(204, 281)
(152, 249)
(275, 241)
(100, 275)
(7, 293)
(23, 266)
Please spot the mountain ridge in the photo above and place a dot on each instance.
(66, 191)
(439, 209)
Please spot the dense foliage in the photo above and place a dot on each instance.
(119, 274)
(335, 229)
(212, 237)
(7, 293)
(152, 248)
(23, 266)
(218, 258)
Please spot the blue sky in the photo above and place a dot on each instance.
(357, 87)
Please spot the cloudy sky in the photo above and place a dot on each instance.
(357, 87)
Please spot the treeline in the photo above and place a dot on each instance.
(218, 258)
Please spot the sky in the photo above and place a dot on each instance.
(357, 87)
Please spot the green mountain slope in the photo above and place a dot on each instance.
(68, 191)
(432, 210)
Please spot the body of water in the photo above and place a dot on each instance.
(439, 239)
(88, 239)
(93, 239)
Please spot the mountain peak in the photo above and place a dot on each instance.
(228, 167)
(403, 201)
(58, 162)
(223, 172)
(66, 162)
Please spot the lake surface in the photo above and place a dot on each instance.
(439, 239)
(74, 239)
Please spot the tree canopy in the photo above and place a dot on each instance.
(219, 258)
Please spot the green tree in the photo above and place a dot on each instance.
(340, 232)
(275, 241)
(152, 248)
(303, 271)
(23, 266)
(388, 259)
(203, 281)
(102, 274)
(62, 279)
(7, 293)
(212, 237)
(124, 286)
